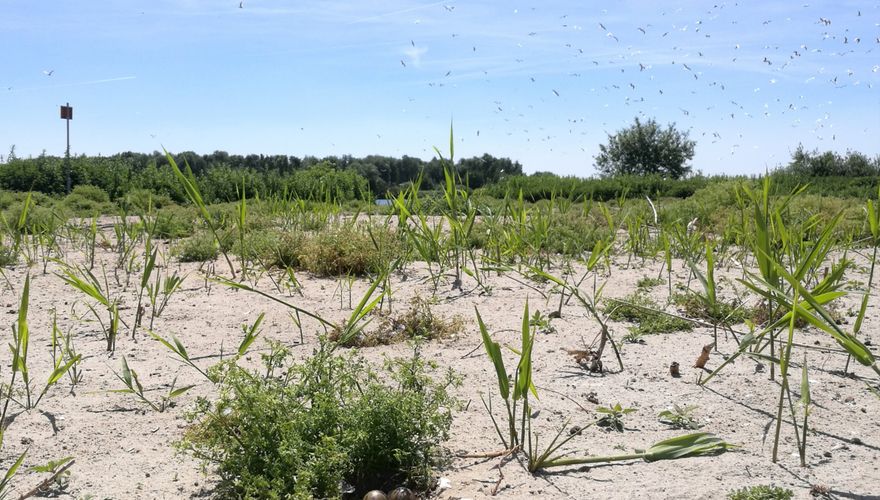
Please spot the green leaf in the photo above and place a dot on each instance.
(11, 472)
(494, 352)
(689, 445)
(251, 334)
(59, 371)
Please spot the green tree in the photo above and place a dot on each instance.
(646, 148)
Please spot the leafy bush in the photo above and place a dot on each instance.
(761, 492)
(175, 222)
(348, 249)
(198, 248)
(307, 431)
(646, 282)
(88, 200)
(140, 199)
(40, 218)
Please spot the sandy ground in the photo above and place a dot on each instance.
(124, 450)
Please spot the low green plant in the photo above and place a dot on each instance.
(641, 309)
(86, 282)
(201, 247)
(680, 417)
(613, 416)
(647, 282)
(634, 336)
(418, 322)
(761, 492)
(541, 322)
(20, 347)
(132, 383)
(345, 249)
(323, 424)
(723, 313)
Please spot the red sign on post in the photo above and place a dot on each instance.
(66, 112)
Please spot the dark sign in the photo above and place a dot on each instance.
(66, 112)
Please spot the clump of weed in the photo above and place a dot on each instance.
(200, 247)
(174, 222)
(613, 416)
(541, 323)
(8, 256)
(348, 249)
(761, 492)
(722, 313)
(647, 282)
(639, 308)
(310, 429)
(417, 322)
(275, 248)
(142, 199)
(88, 200)
(680, 417)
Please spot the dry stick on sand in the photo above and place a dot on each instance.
(490, 454)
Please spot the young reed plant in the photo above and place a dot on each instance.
(188, 181)
(20, 346)
(85, 281)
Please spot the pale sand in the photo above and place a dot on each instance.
(124, 450)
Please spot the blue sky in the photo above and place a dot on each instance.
(539, 82)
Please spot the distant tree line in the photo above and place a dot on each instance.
(221, 175)
(831, 164)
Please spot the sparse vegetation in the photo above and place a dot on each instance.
(763, 268)
(761, 492)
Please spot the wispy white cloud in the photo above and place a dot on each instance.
(396, 12)
(74, 84)
(414, 55)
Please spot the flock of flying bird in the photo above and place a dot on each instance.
(714, 71)
(721, 67)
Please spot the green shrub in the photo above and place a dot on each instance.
(175, 222)
(141, 199)
(285, 249)
(761, 492)
(40, 219)
(348, 249)
(305, 431)
(87, 200)
(200, 247)
(91, 193)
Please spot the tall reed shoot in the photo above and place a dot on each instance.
(188, 181)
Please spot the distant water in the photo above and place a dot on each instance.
(383, 202)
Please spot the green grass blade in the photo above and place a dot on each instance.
(494, 352)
